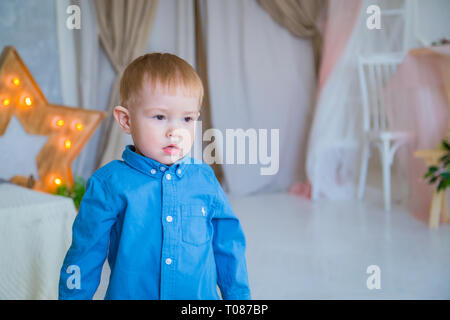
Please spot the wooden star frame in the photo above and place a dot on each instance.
(68, 129)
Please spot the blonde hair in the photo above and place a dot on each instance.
(164, 69)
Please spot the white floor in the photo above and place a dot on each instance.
(299, 249)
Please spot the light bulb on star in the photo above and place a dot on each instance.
(28, 101)
(6, 102)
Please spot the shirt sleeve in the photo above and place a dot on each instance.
(229, 246)
(81, 270)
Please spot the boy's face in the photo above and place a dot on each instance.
(162, 126)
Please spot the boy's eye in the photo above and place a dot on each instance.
(187, 119)
(159, 117)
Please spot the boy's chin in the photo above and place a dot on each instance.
(171, 159)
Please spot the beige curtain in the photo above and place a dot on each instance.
(299, 18)
(124, 30)
(202, 70)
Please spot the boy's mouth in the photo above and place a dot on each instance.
(171, 149)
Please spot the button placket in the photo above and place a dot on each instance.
(169, 251)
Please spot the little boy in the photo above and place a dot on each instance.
(162, 220)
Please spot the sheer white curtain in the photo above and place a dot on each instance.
(261, 77)
(87, 74)
(173, 32)
(333, 147)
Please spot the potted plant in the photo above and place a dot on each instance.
(440, 173)
(76, 193)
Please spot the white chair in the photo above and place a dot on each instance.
(374, 72)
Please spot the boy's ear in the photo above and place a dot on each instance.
(122, 116)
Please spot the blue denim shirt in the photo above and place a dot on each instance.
(169, 232)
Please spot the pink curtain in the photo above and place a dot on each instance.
(340, 21)
(336, 23)
(418, 100)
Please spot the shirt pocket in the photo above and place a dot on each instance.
(196, 226)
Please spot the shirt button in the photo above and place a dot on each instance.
(162, 169)
(169, 218)
(179, 171)
(168, 261)
(153, 171)
(168, 176)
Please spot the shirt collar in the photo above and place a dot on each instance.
(152, 167)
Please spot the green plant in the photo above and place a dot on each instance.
(441, 173)
(76, 193)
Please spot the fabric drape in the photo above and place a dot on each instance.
(255, 86)
(340, 22)
(202, 69)
(299, 17)
(124, 29)
(417, 100)
(333, 154)
(338, 19)
(81, 50)
(249, 80)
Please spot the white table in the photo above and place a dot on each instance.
(35, 234)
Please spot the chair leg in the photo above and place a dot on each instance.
(444, 209)
(435, 210)
(363, 169)
(386, 164)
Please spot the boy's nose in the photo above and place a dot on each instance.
(173, 135)
(178, 133)
(172, 132)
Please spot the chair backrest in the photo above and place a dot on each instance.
(374, 73)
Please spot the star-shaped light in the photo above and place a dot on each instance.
(68, 129)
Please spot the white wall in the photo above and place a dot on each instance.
(432, 20)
